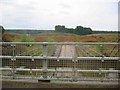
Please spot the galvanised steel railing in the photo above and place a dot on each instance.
(73, 61)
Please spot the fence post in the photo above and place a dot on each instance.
(45, 61)
(74, 61)
(102, 61)
(13, 61)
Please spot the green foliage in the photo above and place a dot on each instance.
(2, 29)
(101, 48)
(83, 31)
(26, 38)
(78, 30)
(50, 40)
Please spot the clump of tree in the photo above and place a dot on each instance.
(83, 30)
(2, 30)
(78, 30)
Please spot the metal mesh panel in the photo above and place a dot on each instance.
(44, 61)
(61, 65)
(7, 50)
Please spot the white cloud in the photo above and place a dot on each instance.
(45, 14)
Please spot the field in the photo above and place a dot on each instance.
(59, 37)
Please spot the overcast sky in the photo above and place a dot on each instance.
(45, 14)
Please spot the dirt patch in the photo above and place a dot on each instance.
(67, 51)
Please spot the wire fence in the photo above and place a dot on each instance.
(60, 61)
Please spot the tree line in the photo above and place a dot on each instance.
(80, 30)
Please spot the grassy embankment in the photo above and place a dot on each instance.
(62, 37)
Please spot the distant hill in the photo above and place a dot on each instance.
(105, 32)
(27, 31)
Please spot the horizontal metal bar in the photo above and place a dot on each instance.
(62, 71)
(98, 58)
(62, 43)
(6, 69)
(60, 58)
(99, 71)
(63, 79)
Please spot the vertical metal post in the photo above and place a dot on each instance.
(118, 68)
(45, 61)
(74, 61)
(74, 70)
(13, 60)
(1, 64)
(102, 61)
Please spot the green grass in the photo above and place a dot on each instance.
(107, 50)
